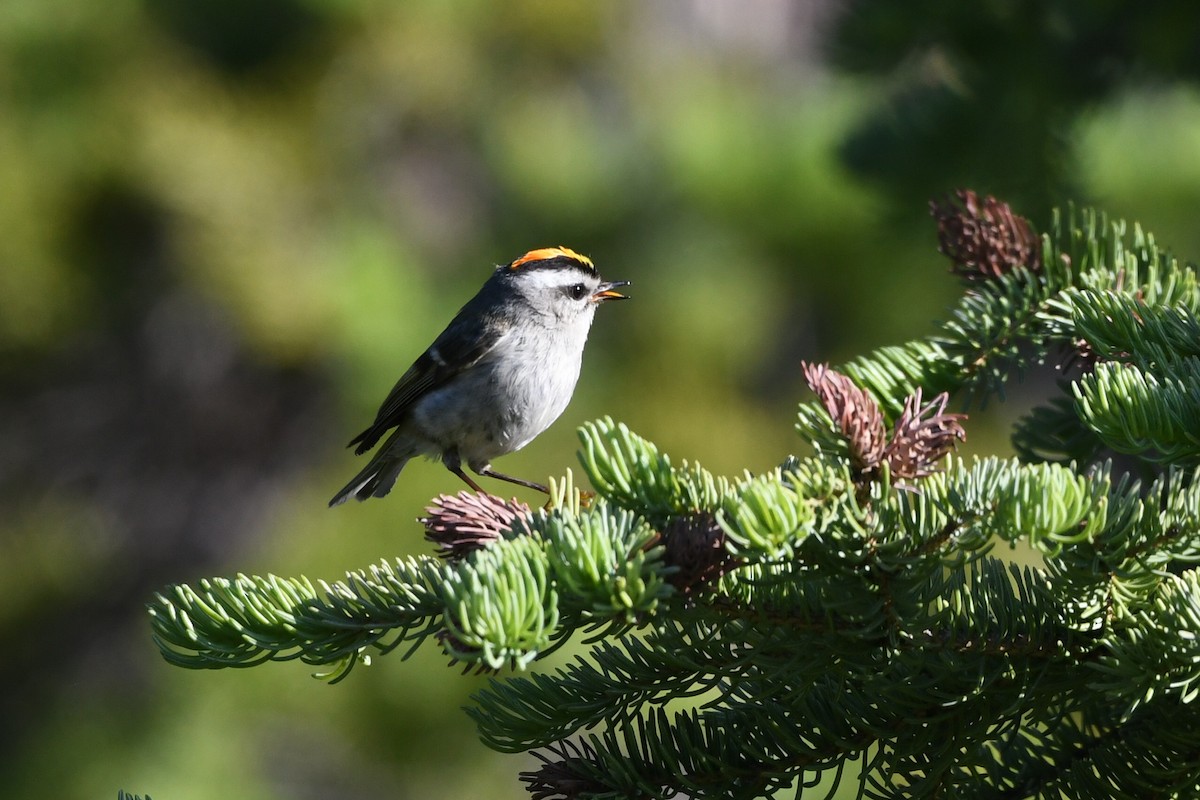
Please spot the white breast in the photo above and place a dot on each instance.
(539, 378)
(507, 399)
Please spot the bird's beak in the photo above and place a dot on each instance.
(607, 291)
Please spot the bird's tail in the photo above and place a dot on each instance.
(377, 478)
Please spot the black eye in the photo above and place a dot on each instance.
(577, 291)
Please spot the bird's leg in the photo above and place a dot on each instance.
(459, 472)
(453, 463)
(487, 471)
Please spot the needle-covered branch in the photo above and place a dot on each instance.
(852, 611)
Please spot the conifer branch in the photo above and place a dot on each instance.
(851, 607)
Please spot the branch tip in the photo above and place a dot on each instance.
(983, 238)
(463, 523)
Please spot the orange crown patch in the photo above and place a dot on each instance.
(546, 253)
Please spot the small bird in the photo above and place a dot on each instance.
(496, 377)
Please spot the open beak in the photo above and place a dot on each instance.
(607, 291)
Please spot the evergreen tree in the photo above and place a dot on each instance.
(844, 609)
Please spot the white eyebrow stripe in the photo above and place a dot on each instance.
(550, 278)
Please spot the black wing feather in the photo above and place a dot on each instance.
(469, 337)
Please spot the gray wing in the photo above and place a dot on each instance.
(467, 339)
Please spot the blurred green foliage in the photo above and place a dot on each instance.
(229, 226)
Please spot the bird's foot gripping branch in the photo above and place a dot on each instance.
(844, 613)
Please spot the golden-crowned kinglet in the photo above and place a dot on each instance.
(501, 372)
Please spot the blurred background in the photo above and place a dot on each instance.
(227, 227)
